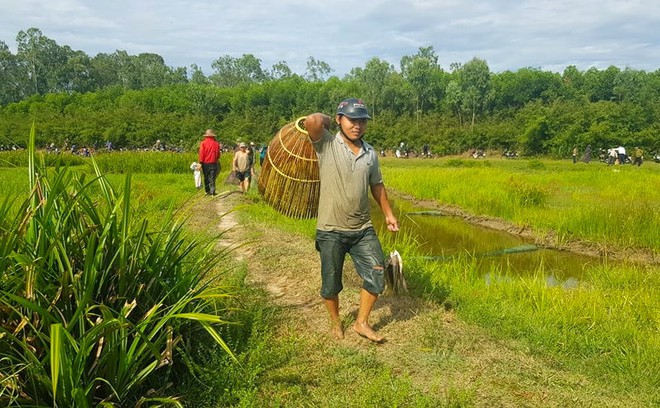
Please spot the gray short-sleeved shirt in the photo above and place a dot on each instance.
(345, 184)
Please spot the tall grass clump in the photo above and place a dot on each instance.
(95, 305)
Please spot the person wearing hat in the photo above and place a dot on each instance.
(209, 158)
(348, 171)
(241, 165)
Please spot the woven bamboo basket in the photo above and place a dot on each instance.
(289, 179)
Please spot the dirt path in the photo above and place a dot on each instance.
(426, 343)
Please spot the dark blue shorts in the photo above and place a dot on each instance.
(365, 251)
(242, 175)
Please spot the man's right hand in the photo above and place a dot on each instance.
(315, 124)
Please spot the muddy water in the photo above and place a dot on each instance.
(442, 237)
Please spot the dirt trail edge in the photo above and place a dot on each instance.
(432, 347)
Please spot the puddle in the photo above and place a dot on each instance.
(442, 237)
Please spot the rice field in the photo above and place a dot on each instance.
(611, 205)
(606, 328)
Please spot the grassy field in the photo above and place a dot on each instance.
(598, 342)
(617, 205)
(609, 326)
(593, 345)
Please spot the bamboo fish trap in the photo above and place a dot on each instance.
(289, 179)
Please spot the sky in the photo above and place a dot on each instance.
(508, 34)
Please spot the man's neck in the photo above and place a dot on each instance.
(355, 146)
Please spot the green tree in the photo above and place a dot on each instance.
(628, 84)
(153, 72)
(515, 89)
(373, 77)
(104, 69)
(317, 70)
(454, 99)
(599, 85)
(43, 60)
(11, 76)
(422, 72)
(572, 83)
(77, 75)
(197, 76)
(534, 136)
(280, 70)
(231, 71)
(474, 78)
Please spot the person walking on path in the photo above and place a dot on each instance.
(575, 154)
(348, 170)
(209, 156)
(241, 165)
(197, 174)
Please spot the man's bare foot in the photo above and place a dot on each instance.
(367, 332)
(337, 332)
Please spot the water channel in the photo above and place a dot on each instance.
(442, 237)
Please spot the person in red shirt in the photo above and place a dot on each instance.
(209, 158)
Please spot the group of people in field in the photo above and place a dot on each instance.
(612, 156)
(349, 171)
(403, 151)
(618, 155)
(107, 146)
(206, 171)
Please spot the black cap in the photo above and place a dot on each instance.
(353, 108)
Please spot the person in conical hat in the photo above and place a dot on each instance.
(348, 172)
(209, 156)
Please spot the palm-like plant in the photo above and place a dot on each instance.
(92, 302)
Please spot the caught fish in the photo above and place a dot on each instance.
(395, 282)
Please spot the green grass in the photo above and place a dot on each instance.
(606, 329)
(618, 205)
(96, 304)
(609, 326)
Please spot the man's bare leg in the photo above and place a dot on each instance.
(332, 304)
(361, 325)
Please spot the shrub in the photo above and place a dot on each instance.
(93, 303)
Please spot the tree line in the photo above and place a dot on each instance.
(134, 100)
